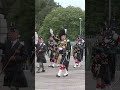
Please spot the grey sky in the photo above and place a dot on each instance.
(75, 3)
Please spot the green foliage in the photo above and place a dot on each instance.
(42, 8)
(63, 18)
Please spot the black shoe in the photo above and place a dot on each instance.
(38, 72)
(50, 66)
(43, 71)
(65, 75)
(74, 66)
(53, 67)
(57, 76)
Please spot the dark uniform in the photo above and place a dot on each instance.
(103, 61)
(61, 51)
(68, 48)
(40, 52)
(14, 57)
(62, 57)
(78, 52)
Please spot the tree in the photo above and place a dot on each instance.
(63, 18)
(42, 8)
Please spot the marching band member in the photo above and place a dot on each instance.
(78, 52)
(15, 56)
(62, 44)
(52, 52)
(103, 59)
(40, 53)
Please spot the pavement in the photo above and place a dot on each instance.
(48, 80)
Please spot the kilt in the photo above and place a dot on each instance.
(79, 57)
(41, 60)
(64, 60)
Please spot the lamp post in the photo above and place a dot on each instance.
(80, 24)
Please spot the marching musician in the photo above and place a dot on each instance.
(62, 44)
(52, 52)
(103, 60)
(40, 53)
(78, 52)
(12, 61)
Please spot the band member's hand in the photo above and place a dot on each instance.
(51, 32)
(63, 46)
(12, 58)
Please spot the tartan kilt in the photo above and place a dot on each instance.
(64, 60)
(41, 59)
(79, 57)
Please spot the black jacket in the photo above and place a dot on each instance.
(40, 51)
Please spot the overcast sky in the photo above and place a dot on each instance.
(75, 3)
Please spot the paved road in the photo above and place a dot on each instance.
(49, 81)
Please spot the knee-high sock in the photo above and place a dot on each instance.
(39, 66)
(42, 66)
(66, 72)
(59, 72)
(61, 68)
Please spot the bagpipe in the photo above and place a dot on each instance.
(62, 44)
